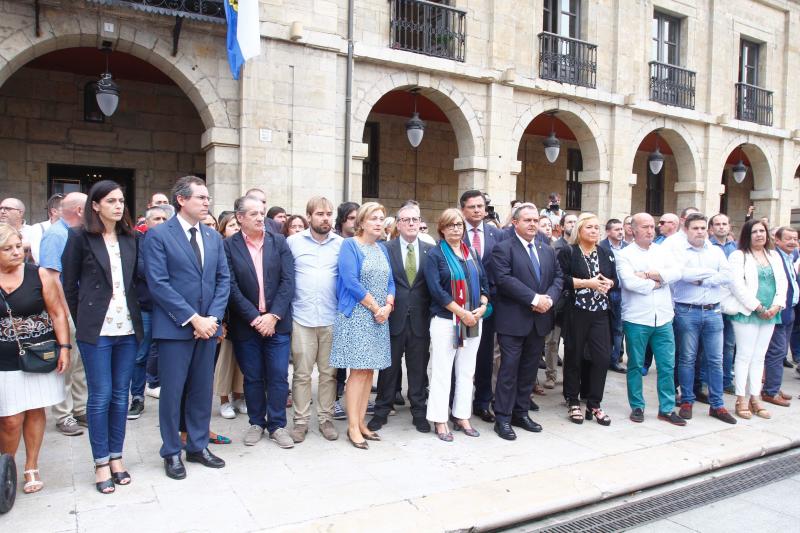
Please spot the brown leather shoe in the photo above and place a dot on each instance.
(776, 400)
(685, 411)
(780, 393)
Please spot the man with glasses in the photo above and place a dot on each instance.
(12, 212)
(482, 238)
(409, 324)
(667, 226)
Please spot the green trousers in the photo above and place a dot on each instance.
(662, 341)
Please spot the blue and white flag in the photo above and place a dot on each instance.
(244, 34)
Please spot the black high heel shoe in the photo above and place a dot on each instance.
(120, 478)
(599, 416)
(103, 486)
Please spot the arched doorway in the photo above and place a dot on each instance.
(754, 189)
(54, 139)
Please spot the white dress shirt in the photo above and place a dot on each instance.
(186, 227)
(642, 302)
(404, 250)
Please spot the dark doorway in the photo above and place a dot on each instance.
(64, 179)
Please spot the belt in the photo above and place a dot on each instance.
(705, 307)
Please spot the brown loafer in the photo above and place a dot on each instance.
(780, 393)
(776, 400)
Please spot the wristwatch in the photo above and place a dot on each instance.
(67, 346)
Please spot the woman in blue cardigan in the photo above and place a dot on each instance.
(361, 341)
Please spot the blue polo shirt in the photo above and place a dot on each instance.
(52, 246)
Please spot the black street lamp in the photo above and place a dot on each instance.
(552, 146)
(415, 127)
(107, 92)
(739, 169)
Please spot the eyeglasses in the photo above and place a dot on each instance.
(423, 229)
(5, 208)
(412, 220)
(455, 225)
(203, 198)
(662, 222)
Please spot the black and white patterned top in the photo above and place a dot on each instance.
(589, 299)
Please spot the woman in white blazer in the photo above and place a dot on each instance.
(757, 296)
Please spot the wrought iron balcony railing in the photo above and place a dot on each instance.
(429, 28)
(205, 10)
(672, 85)
(567, 60)
(753, 104)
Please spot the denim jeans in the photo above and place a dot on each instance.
(773, 361)
(109, 365)
(728, 352)
(139, 367)
(615, 317)
(699, 329)
(794, 342)
(264, 361)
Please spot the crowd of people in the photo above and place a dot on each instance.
(183, 307)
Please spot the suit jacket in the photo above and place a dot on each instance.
(560, 243)
(87, 282)
(517, 284)
(787, 315)
(179, 287)
(491, 237)
(572, 264)
(278, 273)
(606, 245)
(411, 301)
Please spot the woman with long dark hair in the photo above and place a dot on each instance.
(99, 264)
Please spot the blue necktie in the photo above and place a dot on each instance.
(536, 268)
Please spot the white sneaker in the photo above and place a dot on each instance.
(226, 410)
(153, 393)
(240, 405)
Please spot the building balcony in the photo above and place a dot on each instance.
(429, 28)
(205, 10)
(672, 85)
(753, 104)
(567, 60)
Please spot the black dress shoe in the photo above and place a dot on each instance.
(398, 398)
(637, 415)
(672, 418)
(542, 364)
(534, 406)
(504, 431)
(787, 364)
(376, 423)
(422, 425)
(173, 467)
(205, 458)
(484, 414)
(526, 423)
(616, 367)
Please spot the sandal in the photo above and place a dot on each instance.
(742, 410)
(600, 416)
(575, 415)
(32, 485)
(107, 485)
(758, 410)
(218, 439)
(120, 478)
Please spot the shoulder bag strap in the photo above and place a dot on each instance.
(13, 324)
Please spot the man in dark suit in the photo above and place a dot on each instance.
(260, 321)
(189, 281)
(529, 283)
(482, 238)
(614, 242)
(409, 323)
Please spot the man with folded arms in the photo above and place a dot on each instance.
(645, 273)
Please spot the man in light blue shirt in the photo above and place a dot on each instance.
(316, 255)
(698, 318)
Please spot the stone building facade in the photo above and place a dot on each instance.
(707, 82)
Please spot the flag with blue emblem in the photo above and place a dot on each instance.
(244, 34)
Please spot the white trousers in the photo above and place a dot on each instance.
(752, 341)
(444, 358)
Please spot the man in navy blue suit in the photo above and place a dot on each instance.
(260, 321)
(482, 238)
(187, 273)
(614, 242)
(529, 283)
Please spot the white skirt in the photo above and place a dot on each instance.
(21, 391)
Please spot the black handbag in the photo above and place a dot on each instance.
(34, 358)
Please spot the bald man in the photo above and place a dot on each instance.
(12, 212)
(70, 414)
(668, 225)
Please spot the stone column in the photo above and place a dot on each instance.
(595, 193)
(221, 146)
(471, 174)
(691, 194)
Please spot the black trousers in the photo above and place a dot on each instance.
(587, 352)
(417, 353)
(519, 362)
(484, 365)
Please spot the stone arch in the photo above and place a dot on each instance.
(761, 162)
(680, 141)
(583, 125)
(452, 102)
(76, 30)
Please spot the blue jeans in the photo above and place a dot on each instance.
(139, 367)
(264, 362)
(795, 339)
(728, 352)
(109, 365)
(699, 329)
(773, 361)
(615, 317)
